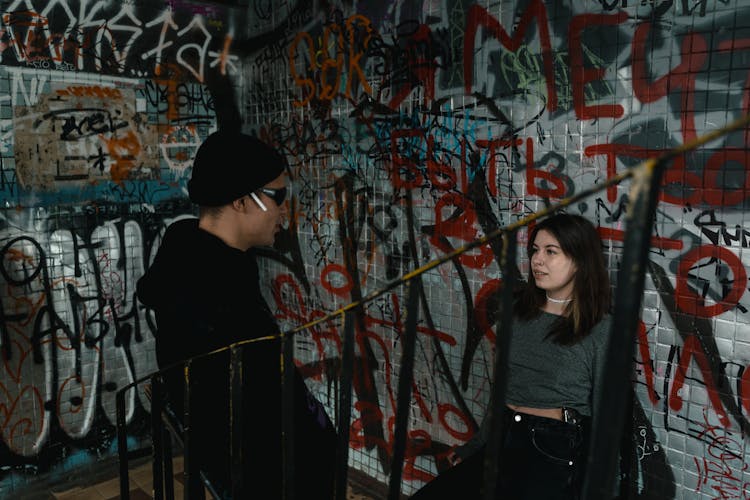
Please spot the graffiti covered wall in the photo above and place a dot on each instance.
(411, 128)
(102, 106)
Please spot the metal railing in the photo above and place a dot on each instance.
(608, 417)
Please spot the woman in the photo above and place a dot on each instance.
(557, 351)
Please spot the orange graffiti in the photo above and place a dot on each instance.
(321, 62)
(123, 152)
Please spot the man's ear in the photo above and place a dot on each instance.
(240, 204)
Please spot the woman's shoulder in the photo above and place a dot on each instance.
(601, 331)
(605, 323)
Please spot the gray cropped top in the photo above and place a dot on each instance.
(543, 374)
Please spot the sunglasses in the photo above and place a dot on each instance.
(278, 195)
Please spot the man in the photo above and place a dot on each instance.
(203, 287)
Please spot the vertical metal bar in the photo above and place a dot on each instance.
(192, 471)
(236, 418)
(122, 445)
(287, 415)
(609, 414)
(492, 459)
(628, 467)
(168, 468)
(157, 435)
(405, 380)
(344, 414)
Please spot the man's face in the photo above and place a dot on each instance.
(268, 222)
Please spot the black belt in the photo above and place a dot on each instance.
(569, 415)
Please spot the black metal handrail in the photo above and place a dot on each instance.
(163, 418)
(605, 439)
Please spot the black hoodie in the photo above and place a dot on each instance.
(205, 295)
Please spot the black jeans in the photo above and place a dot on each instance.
(541, 458)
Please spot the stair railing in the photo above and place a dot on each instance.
(609, 416)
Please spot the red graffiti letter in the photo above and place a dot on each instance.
(690, 302)
(582, 75)
(477, 16)
(694, 52)
(692, 349)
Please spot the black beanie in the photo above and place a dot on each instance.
(229, 165)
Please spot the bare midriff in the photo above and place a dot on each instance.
(555, 413)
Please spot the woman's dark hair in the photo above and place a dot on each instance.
(580, 241)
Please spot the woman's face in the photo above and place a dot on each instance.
(553, 270)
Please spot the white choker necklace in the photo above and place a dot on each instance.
(558, 301)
